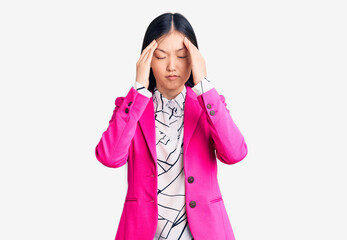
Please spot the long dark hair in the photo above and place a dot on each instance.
(161, 25)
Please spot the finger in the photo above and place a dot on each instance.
(144, 52)
(150, 52)
(186, 43)
(147, 55)
(192, 48)
(144, 58)
(146, 49)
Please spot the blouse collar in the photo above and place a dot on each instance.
(159, 100)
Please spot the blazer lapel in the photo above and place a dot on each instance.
(192, 112)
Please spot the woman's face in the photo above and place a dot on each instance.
(171, 57)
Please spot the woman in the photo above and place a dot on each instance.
(170, 128)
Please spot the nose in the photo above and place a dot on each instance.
(171, 65)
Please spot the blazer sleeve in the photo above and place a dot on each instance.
(113, 147)
(228, 141)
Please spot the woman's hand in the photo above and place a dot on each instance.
(197, 61)
(143, 65)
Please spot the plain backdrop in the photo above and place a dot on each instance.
(281, 66)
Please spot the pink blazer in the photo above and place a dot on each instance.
(209, 132)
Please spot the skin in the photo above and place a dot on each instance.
(162, 56)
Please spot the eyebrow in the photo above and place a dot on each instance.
(166, 52)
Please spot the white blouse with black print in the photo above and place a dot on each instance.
(172, 218)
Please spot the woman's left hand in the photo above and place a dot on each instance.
(197, 61)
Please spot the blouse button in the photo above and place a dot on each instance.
(152, 175)
(208, 106)
(130, 103)
(127, 110)
(212, 112)
(191, 179)
(192, 204)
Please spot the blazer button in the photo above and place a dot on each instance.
(212, 112)
(191, 179)
(208, 106)
(127, 110)
(192, 204)
(130, 103)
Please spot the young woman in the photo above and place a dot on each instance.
(171, 128)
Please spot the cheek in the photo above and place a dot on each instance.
(155, 65)
(185, 67)
(157, 68)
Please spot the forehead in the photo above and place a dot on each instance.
(171, 43)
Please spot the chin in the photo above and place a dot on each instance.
(174, 85)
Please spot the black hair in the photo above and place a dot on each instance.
(162, 25)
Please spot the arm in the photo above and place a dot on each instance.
(228, 141)
(113, 147)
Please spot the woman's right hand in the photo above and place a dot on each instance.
(143, 65)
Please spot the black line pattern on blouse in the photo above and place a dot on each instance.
(169, 117)
(170, 228)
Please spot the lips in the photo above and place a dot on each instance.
(172, 77)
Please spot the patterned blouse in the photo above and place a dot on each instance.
(172, 218)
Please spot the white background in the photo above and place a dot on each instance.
(281, 66)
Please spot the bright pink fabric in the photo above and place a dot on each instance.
(130, 137)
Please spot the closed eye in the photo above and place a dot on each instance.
(164, 57)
